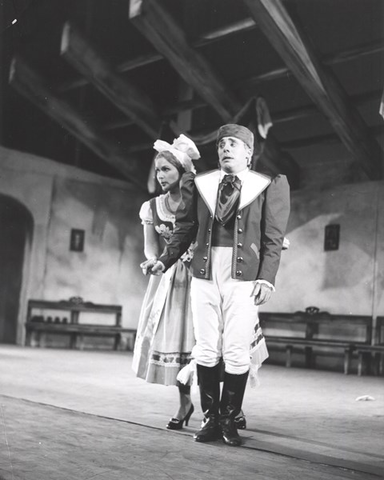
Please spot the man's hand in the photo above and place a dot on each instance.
(262, 293)
(152, 266)
(158, 268)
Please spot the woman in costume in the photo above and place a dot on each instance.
(165, 335)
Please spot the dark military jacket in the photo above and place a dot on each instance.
(259, 228)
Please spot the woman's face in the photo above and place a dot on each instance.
(167, 175)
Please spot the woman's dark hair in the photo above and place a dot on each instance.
(172, 160)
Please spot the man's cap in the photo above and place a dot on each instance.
(237, 131)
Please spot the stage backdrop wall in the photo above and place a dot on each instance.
(62, 198)
(348, 280)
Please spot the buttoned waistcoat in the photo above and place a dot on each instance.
(259, 227)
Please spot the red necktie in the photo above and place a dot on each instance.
(229, 193)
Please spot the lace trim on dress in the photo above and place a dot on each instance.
(162, 210)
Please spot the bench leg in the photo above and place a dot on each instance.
(288, 361)
(347, 361)
(132, 340)
(363, 367)
(41, 340)
(360, 366)
(117, 342)
(381, 364)
(308, 357)
(375, 363)
(368, 360)
(73, 340)
(35, 339)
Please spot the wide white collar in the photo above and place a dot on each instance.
(241, 175)
(253, 184)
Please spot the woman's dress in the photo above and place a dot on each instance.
(165, 336)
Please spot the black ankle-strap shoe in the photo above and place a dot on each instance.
(176, 424)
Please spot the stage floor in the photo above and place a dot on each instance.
(68, 414)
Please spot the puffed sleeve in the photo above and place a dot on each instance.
(146, 214)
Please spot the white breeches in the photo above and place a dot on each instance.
(224, 316)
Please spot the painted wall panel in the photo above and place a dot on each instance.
(340, 281)
(60, 198)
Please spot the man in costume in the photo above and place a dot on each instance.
(238, 218)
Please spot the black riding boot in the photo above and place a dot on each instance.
(230, 406)
(209, 384)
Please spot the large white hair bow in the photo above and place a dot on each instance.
(183, 148)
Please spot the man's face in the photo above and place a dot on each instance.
(234, 154)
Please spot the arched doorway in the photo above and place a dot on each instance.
(16, 227)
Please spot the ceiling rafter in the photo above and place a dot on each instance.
(278, 117)
(297, 143)
(128, 98)
(157, 25)
(307, 110)
(142, 60)
(154, 22)
(322, 87)
(29, 84)
(347, 55)
(327, 139)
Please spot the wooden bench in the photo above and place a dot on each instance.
(371, 357)
(37, 326)
(315, 330)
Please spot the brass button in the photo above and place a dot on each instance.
(209, 230)
(207, 244)
(239, 245)
(239, 273)
(202, 271)
(239, 217)
(240, 259)
(240, 230)
(205, 259)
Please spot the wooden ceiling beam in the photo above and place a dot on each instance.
(29, 84)
(346, 55)
(320, 84)
(129, 99)
(327, 139)
(142, 60)
(307, 110)
(278, 117)
(224, 32)
(295, 144)
(157, 25)
(349, 54)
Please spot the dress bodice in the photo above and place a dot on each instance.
(157, 213)
(163, 218)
